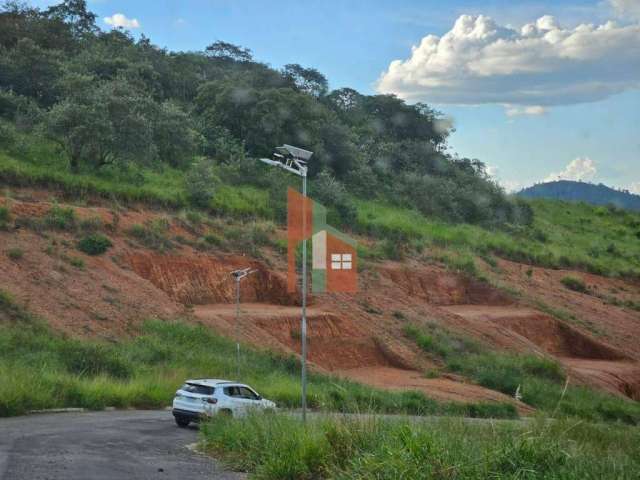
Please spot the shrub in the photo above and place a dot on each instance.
(95, 244)
(61, 218)
(575, 284)
(76, 262)
(5, 217)
(213, 240)
(200, 183)
(93, 359)
(15, 253)
(153, 234)
(91, 225)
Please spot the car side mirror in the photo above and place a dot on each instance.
(259, 397)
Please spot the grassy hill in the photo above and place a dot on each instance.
(601, 240)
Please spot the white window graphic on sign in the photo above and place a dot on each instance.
(340, 261)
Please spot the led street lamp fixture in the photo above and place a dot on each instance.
(290, 158)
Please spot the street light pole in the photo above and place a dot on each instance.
(294, 160)
(304, 297)
(238, 328)
(239, 275)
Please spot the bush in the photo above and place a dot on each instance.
(575, 284)
(5, 217)
(76, 262)
(61, 218)
(90, 359)
(200, 183)
(15, 253)
(153, 234)
(95, 244)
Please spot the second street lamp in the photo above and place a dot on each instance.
(237, 276)
(294, 160)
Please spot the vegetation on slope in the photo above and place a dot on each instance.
(111, 103)
(280, 447)
(540, 381)
(42, 369)
(108, 115)
(602, 240)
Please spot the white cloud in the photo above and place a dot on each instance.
(119, 20)
(525, 69)
(580, 169)
(533, 110)
(635, 188)
(627, 9)
(510, 186)
(492, 170)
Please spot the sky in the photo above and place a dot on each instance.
(538, 90)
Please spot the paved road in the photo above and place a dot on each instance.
(102, 445)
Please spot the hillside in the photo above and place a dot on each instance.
(468, 330)
(131, 188)
(570, 191)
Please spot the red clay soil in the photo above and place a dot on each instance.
(341, 347)
(200, 278)
(361, 337)
(105, 298)
(617, 326)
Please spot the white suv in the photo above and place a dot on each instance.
(197, 398)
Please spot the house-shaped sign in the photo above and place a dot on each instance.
(334, 256)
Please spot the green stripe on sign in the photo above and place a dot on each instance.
(318, 281)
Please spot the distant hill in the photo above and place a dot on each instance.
(583, 192)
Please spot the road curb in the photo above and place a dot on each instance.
(82, 410)
(57, 410)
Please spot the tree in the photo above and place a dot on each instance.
(201, 182)
(174, 136)
(75, 14)
(308, 80)
(102, 125)
(228, 51)
(32, 71)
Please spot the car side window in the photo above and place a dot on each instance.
(248, 393)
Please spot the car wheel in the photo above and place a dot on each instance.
(181, 421)
(226, 412)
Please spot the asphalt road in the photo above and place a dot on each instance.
(102, 445)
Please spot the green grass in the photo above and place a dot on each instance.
(540, 380)
(153, 234)
(564, 235)
(5, 217)
(42, 369)
(156, 187)
(274, 447)
(15, 253)
(575, 284)
(595, 239)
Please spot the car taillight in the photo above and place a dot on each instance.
(212, 401)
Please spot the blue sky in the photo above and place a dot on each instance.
(353, 42)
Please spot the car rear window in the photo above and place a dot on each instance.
(199, 389)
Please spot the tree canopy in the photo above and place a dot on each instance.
(109, 99)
